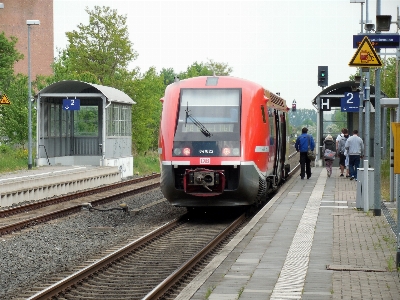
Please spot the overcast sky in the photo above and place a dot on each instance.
(278, 44)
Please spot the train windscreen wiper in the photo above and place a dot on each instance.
(202, 128)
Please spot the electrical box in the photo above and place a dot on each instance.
(396, 144)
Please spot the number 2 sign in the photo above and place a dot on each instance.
(350, 102)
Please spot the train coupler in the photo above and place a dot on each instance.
(204, 182)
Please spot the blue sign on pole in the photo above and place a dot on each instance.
(378, 40)
(350, 102)
(71, 104)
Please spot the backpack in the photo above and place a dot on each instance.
(342, 143)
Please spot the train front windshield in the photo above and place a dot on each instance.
(208, 123)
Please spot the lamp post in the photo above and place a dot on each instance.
(29, 23)
(361, 105)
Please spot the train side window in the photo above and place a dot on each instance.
(263, 114)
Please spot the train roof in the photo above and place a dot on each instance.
(231, 82)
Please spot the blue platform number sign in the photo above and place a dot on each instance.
(71, 104)
(350, 102)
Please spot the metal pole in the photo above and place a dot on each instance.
(377, 144)
(360, 108)
(362, 16)
(365, 186)
(29, 104)
(366, 106)
(367, 112)
(319, 130)
(397, 175)
(377, 133)
(393, 185)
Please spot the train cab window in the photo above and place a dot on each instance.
(208, 123)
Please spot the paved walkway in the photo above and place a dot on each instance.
(308, 242)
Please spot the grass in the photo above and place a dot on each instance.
(13, 159)
(209, 292)
(385, 179)
(147, 163)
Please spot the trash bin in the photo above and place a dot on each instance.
(359, 195)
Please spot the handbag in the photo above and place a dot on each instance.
(329, 154)
(310, 154)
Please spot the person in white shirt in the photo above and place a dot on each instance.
(355, 150)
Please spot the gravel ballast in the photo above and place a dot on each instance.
(49, 249)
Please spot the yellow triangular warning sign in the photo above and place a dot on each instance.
(4, 99)
(365, 55)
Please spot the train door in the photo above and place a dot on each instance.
(278, 145)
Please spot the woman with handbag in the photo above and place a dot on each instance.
(328, 148)
(304, 143)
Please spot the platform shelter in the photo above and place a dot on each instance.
(338, 107)
(81, 123)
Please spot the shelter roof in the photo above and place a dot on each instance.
(80, 88)
(343, 87)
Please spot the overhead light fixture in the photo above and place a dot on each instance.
(383, 22)
(369, 27)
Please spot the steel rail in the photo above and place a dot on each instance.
(71, 210)
(165, 285)
(47, 202)
(59, 287)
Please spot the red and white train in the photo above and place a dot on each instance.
(222, 142)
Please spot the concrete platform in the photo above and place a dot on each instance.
(309, 242)
(48, 181)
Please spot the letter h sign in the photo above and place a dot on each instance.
(325, 105)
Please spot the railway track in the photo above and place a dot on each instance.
(98, 257)
(17, 218)
(28, 215)
(293, 161)
(148, 267)
(158, 255)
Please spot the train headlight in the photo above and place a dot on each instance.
(177, 151)
(236, 151)
(186, 151)
(226, 151)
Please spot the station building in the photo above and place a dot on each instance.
(13, 19)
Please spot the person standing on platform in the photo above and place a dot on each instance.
(340, 146)
(355, 149)
(303, 143)
(339, 138)
(329, 144)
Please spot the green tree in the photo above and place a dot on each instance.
(101, 48)
(202, 69)
(146, 112)
(302, 118)
(168, 75)
(388, 77)
(388, 85)
(14, 117)
(9, 55)
(194, 70)
(219, 69)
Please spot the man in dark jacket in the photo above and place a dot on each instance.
(303, 142)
